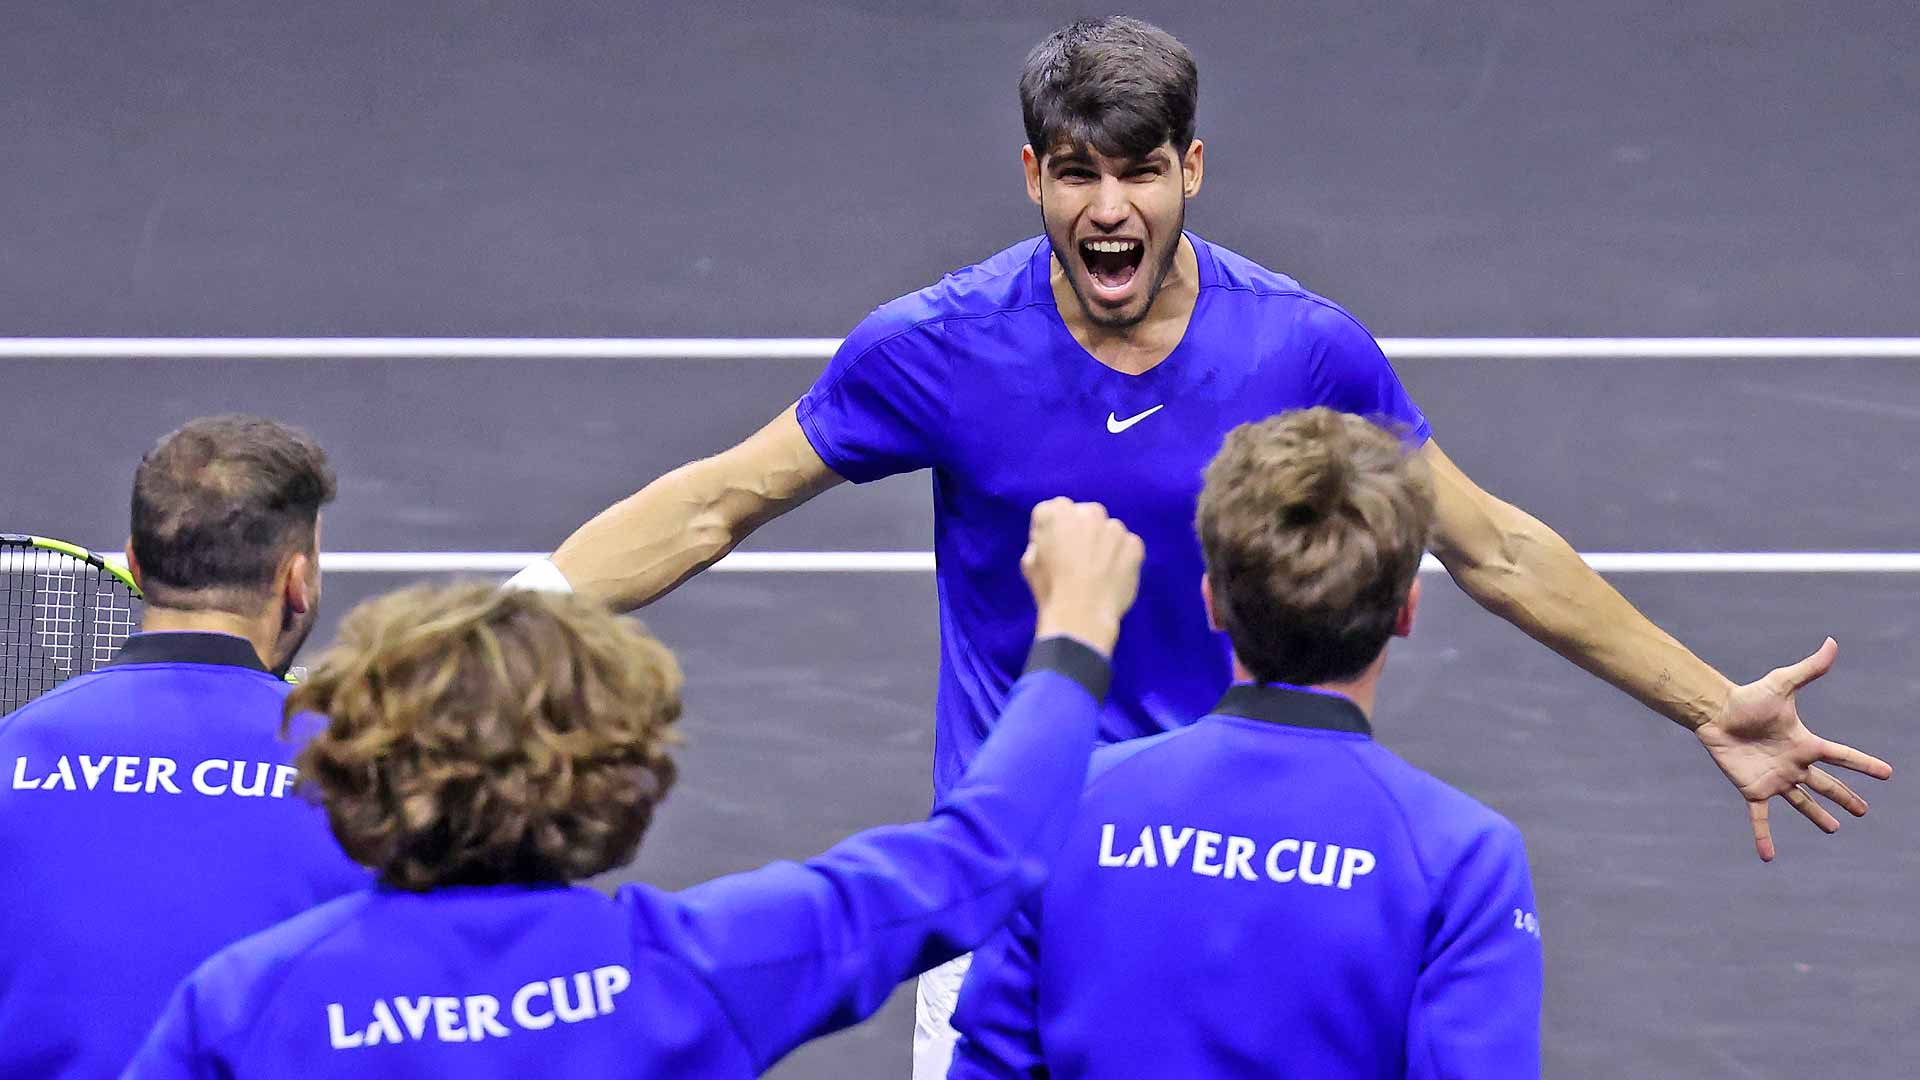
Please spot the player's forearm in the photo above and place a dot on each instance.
(830, 938)
(1535, 580)
(642, 547)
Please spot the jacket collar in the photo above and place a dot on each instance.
(189, 647)
(1278, 703)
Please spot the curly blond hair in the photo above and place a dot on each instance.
(475, 736)
(1312, 523)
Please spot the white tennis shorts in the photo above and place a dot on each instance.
(933, 1035)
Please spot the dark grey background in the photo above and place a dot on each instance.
(727, 168)
(720, 169)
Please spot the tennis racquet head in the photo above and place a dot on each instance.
(64, 611)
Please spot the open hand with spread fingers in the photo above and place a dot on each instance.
(1761, 745)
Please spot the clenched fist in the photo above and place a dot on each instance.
(1084, 569)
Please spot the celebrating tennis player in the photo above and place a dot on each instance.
(483, 748)
(1106, 359)
(147, 814)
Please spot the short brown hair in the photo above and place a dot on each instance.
(219, 503)
(1313, 524)
(475, 736)
(1119, 85)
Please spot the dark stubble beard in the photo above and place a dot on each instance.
(294, 629)
(1158, 278)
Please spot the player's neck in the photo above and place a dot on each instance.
(1359, 690)
(176, 620)
(1135, 349)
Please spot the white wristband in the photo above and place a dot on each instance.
(540, 576)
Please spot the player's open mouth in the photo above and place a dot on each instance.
(1112, 263)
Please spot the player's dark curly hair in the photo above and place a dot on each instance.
(1118, 85)
(474, 736)
(219, 503)
(1313, 524)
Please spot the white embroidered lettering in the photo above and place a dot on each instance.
(1230, 857)
(1358, 862)
(205, 787)
(608, 981)
(582, 1006)
(1240, 858)
(446, 1020)
(481, 1011)
(523, 1013)
(1143, 852)
(250, 790)
(1205, 846)
(160, 774)
(1324, 875)
(133, 774)
(91, 771)
(337, 1032)
(570, 999)
(1174, 843)
(383, 1029)
(1273, 860)
(413, 1013)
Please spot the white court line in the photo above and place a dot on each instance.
(819, 349)
(920, 562)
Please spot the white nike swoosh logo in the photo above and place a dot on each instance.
(1117, 426)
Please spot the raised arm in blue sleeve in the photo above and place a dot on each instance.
(998, 1017)
(792, 951)
(1476, 1007)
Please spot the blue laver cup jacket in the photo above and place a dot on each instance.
(147, 819)
(977, 379)
(1267, 893)
(719, 980)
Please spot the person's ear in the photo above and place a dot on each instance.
(1193, 167)
(1206, 597)
(299, 583)
(1030, 165)
(1403, 624)
(133, 567)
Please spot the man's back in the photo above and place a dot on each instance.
(147, 820)
(1268, 892)
(478, 978)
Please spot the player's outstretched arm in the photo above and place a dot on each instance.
(1519, 569)
(792, 951)
(642, 547)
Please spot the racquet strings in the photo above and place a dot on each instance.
(60, 616)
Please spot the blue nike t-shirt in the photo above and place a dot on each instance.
(979, 379)
(147, 818)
